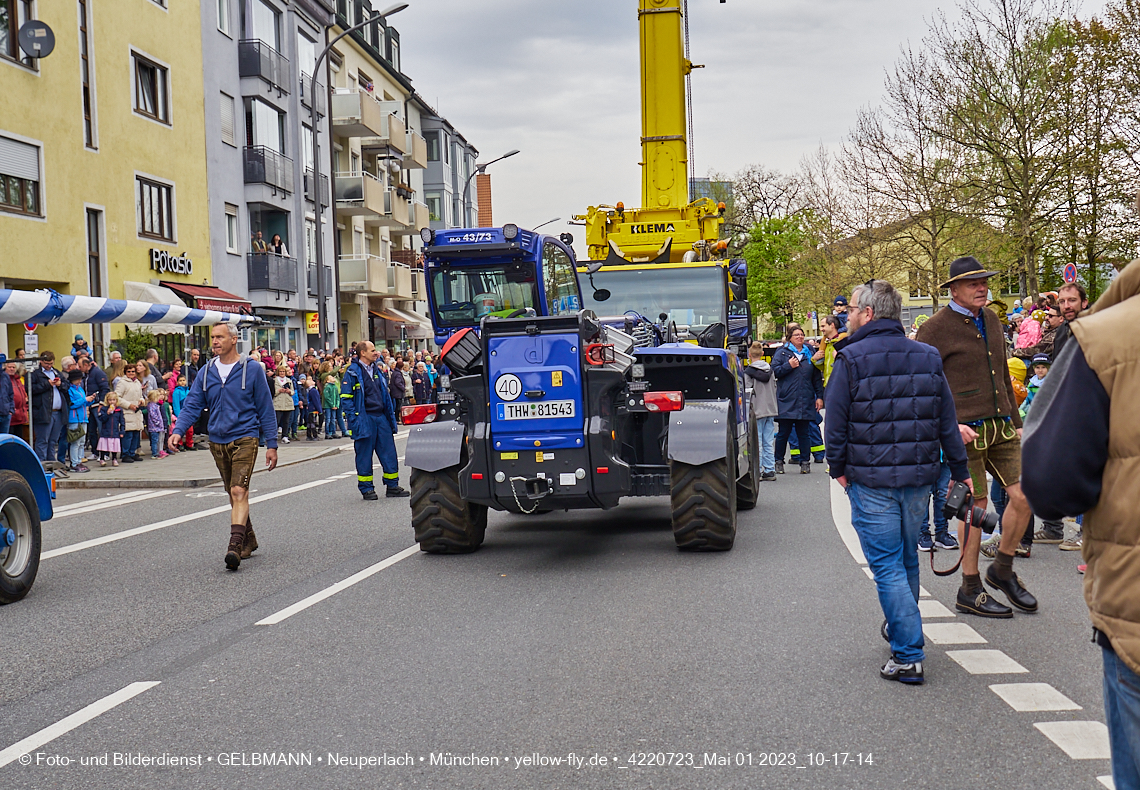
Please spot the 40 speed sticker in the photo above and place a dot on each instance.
(508, 387)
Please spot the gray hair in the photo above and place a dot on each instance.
(234, 331)
(881, 297)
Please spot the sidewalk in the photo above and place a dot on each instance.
(192, 469)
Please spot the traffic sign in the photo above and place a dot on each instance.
(30, 327)
(1070, 273)
(31, 345)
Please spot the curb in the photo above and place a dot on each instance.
(199, 482)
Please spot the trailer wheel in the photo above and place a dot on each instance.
(20, 561)
(748, 487)
(443, 522)
(703, 500)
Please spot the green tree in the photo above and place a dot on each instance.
(134, 343)
(774, 270)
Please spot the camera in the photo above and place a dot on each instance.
(959, 504)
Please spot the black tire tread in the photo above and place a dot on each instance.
(748, 487)
(703, 502)
(443, 522)
(12, 588)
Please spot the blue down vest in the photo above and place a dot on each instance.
(894, 395)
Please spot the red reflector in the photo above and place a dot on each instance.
(603, 470)
(476, 475)
(599, 353)
(664, 401)
(415, 415)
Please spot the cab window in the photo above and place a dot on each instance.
(559, 281)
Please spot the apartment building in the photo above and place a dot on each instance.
(451, 162)
(264, 183)
(102, 189)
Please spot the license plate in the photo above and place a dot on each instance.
(542, 409)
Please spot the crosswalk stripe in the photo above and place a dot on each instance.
(1025, 697)
(1081, 740)
(1107, 782)
(985, 662)
(928, 607)
(951, 634)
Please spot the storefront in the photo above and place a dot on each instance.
(208, 297)
(399, 329)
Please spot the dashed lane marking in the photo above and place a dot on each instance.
(1025, 697)
(841, 514)
(1081, 740)
(1107, 782)
(985, 662)
(952, 634)
(928, 608)
(102, 504)
(922, 592)
(69, 723)
(340, 586)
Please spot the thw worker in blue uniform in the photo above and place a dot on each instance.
(372, 420)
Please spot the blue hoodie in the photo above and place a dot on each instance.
(240, 408)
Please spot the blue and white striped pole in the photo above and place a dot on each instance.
(49, 307)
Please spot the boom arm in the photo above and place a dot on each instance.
(664, 147)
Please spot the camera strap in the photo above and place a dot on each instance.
(961, 549)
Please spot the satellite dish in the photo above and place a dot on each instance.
(36, 39)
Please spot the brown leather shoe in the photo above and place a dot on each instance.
(233, 553)
(250, 544)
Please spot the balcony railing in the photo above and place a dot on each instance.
(400, 282)
(263, 165)
(270, 272)
(421, 216)
(308, 97)
(393, 134)
(363, 273)
(258, 59)
(324, 181)
(360, 195)
(415, 158)
(356, 114)
(312, 280)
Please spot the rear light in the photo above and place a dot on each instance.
(664, 401)
(416, 415)
(476, 475)
(600, 353)
(603, 470)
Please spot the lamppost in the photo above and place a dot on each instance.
(322, 312)
(482, 168)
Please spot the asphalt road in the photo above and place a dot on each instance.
(584, 634)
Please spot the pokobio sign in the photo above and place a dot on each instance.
(162, 262)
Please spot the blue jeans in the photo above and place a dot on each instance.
(340, 419)
(6, 424)
(887, 521)
(46, 434)
(938, 494)
(75, 449)
(294, 420)
(155, 444)
(330, 422)
(130, 443)
(1122, 709)
(766, 427)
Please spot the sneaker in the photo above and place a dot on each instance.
(1082, 568)
(946, 541)
(115, 462)
(1046, 537)
(250, 545)
(805, 468)
(925, 543)
(768, 477)
(285, 440)
(1023, 550)
(779, 467)
(162, 455)
(102, 462)
(819, 459)
(81, 468)
(904, 673)
(990, 547)
(1073, 543)
(395, 492)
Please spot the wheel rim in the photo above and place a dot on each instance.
(14, 516)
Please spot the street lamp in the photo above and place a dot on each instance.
(481, 168)
(322, 312)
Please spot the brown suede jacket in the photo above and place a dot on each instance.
(978, 375)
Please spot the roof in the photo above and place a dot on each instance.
(210, 297)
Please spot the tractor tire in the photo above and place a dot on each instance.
(703, 501)
(19, 513)
(443, 522)
(748, 487)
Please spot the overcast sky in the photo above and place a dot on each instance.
(560, 82)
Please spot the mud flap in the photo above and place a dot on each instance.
(434, 446)
(697, 432)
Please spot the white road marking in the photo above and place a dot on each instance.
(922, 592)
(929, 608)
(1081, 740)
(869, 572)
(170, 522)
(952, 634)
(986, 662)
(102, 504)
(1033, 697)
(69, 723)
(91, 501)
(340, 586)
(1107, 782)
(841, 514)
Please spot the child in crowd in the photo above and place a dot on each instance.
(155, 427)
(283, 400)
(763, 403)
(1041, 363)
(313, 407)
(112, 426)
(180, 393)
(331, 402)
(168, 421)
(77, 419)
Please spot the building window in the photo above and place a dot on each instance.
(311, 241)
(232, 228)
(432, 139)
(152, 89)
(95, 269)
(264, 126)
(19, 178)
(87, 74)
(229, 134)
(14, 13)
(225, 14)
(394, 53)
(264, 24)
(435, 207)
(155, 209)
(355, 162)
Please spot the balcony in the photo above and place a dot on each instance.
(265, 166)
(360, 195)
(419, 285)
(308, 97)
(416, 156)
(399, 282)
(357, 114)
(330, 289)
(422, 216)
(258, 59)
(269, 272)
(363, 273)
(392, 138)
(324, 181)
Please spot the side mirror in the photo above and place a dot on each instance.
(714, 336)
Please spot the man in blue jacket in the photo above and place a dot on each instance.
(890, 417)
(241, 413)
(7, 397)
(372, 421)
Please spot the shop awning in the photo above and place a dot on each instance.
(156, 294)
(418, 327)
(385, 315)
(209, 297)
